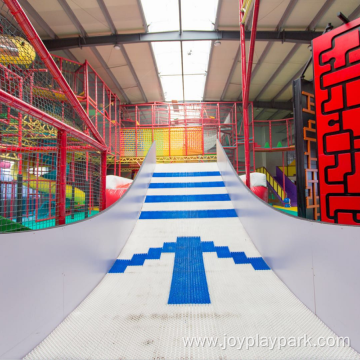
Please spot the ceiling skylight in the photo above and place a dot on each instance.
(196, 59)
(195, 63)
(163, 15)
(198, 14)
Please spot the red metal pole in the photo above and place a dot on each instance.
(20, 16)
(236, 139)
(252, 48)
(86, 86)
(39, 149)
(136, 125)
(253, 134)
(20, 134)
(169, 130)
(61, 178)
(103, 182)
(283, 168)
(73, 167)
(244, 103)
(246, 77)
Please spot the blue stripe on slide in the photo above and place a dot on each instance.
(185, 174)
(186, 198)
(188, 284)
(187, 214)
(186, 185)
(120, 265)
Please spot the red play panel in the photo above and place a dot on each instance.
(337, 99)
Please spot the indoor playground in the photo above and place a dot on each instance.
(179, 179)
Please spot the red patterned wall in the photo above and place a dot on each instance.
(337, 93)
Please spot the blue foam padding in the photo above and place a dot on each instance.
(208, 246)
(189, 285)
(240, 258)
(169, 247)
(258, 263)
(186, 185)
(222, 252)
(187, 214)
(186, 198)
(119, 266)
(185, 174)
(154, 254)
(138, 260)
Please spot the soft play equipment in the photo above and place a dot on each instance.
(258, 185)
(16, 50)
(47, 186)
(5, 177)
(116, 186)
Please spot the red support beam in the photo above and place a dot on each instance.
(246, 77)
(20, 16)
(245, 107)
(61, 179)
(283, 170)
(103, 182)
(4, 148)
(23, 106)
(251, 50)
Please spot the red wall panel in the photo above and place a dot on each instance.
(337, 98)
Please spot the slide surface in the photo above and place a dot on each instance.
(189, 272)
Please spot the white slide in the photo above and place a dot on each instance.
(190, 284)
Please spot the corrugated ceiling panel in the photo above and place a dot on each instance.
(220, 66)
(270, 13)
(345, 6)
(287, 72)
(90, 16)
(55, 17)
(229, 15)
(134, 95)
(236, 78)
(303, 13)
(124, 77)
(286, 95)
(126, 15)
(112, 57)
(271, 63)
(142, 61)
(233, 92)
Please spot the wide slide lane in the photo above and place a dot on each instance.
(189, 270)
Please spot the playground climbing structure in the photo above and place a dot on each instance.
(53, 158)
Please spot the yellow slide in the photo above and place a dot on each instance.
(16, 50)
(47, 186)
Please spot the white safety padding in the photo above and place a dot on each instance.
(256, 179)
(112, 181)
